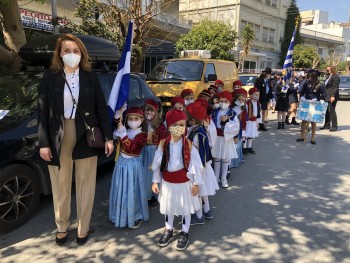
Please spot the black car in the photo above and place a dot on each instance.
(23, 175)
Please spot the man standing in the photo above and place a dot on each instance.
(332, 96)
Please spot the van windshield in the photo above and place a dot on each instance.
(189, 70)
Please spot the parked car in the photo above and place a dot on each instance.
(344, 87)
(23, 174)
(247, 80)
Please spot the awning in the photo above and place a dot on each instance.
(255, 54)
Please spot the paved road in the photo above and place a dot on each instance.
(289, 203)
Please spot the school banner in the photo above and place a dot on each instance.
(312, 111)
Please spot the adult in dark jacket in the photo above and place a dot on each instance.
(332, 96)
(62, 132)
(263, 85)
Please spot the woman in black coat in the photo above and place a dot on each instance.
(62, 132)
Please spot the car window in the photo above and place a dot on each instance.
(135, 90)
(248, 80)
(209, 70)
(18, 98)
(106, 82)
(345, 79)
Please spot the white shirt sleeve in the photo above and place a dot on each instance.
(212, 134)
(231, 129)
(195, 168)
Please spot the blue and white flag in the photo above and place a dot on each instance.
(120, 90)
(287, 66)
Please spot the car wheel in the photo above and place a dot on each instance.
(19, 195)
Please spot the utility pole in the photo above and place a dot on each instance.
(54, 17)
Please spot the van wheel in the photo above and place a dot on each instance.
(19, 195)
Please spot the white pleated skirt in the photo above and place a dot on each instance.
(224, 149)
(252, 129)
(177, 199)
(210, 184)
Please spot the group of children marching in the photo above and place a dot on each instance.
(171, 162)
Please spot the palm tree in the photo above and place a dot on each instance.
(247, 37)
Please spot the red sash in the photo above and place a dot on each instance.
(219, 132)
(176, 177)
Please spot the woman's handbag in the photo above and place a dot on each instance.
(94, 135)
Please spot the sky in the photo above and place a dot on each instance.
(338, 10)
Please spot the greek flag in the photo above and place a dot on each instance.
(120, 90)
(287, 66)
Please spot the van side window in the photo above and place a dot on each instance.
(210, 69)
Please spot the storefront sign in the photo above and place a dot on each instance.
(38, 21)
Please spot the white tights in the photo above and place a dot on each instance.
(223, 164)
(186, 221)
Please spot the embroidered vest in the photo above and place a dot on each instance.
(203, 143)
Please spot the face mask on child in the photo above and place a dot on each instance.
(224, 106)
(134, 124)
(177, 130)
(149, 116)
(239, 104)
(255, 97)
(187, 102)
(216, 105)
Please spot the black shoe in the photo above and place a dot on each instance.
(61, 241)
(279, 126)
(137, 224)
(250, 150)
(333, 128)
(165, 238)
(287, 121)
(294, 122)
(300, 140)
(82, 240)
(153, 202)
(245, 151)
(282, 125)
(183, 241)
(262, 127)
(228, 173)
(313, 142)
(325, 127)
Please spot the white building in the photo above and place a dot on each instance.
(266, 17)
(327, 37)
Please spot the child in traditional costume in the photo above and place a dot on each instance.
(156, 132)
(187, 95)
(198, 136)
(177, 167)
(128, 200)
(254, 114)
(227, 126)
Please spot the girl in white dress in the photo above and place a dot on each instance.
(254, 114)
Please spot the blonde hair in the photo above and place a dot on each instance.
(57, 62)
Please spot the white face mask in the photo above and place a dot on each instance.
(71, 60)
(239, 104)
(177, 130)
(224, 106)
(187, 102)
(216, 105)
(134, 124)
(149, 116)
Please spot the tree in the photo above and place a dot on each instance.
(110, 21)
(247, 36)
(216, 36)
(305, 57)
(292, 16)
(13, 34)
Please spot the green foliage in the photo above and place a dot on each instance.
(247, 38)
(216, 36)
(292, 15)
(305, 57)
(342, 66)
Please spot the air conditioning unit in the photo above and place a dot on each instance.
(195, 54)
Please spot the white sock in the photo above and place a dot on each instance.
(217, 165)
(186, 221)
(249, 143)
(206, 206)
(224, 168)
(199, 212)
(169, 222)
(245, 144)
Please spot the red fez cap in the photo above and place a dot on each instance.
(253, 90)
(186, 92)
(177, 99)
(237, 83)
(207, 118)
(173, 116)
(203, 101)
(219, 82)
(205, 93)
(213, 87)
(227, 95)
(197, 110)
(153, 104)
(239, 92)
(134, 111)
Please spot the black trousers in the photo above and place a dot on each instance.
(331, 115)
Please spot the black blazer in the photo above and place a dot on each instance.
(261, 86)
(332, 88)
(91, 103)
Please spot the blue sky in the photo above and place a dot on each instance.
(338, 10)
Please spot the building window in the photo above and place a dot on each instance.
(256, 29)
(268, 35)
(268, 2)
(265, 34)
(249, 65)
(274, 3)
(272, 36)
(320, 51)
